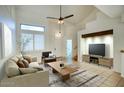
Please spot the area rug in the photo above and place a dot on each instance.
(81, 78)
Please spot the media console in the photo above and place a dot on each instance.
(98, 60)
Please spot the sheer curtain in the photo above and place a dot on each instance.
(0, 41)
(27, 42)
(32, 38)
(39, 42)
(7, 41)
(32, 42)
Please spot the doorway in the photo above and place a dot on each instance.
(69, 51)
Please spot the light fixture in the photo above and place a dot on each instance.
(60, 21)
(59, 34)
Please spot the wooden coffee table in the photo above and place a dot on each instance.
(64, 72)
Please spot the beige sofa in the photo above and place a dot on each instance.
(36, 79)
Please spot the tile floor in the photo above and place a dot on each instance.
(109, 77)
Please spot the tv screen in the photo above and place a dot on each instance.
(97, 49)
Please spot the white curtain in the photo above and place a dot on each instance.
(7, 40)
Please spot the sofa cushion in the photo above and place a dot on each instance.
(28, 58)
(27, 70)
(21, 64)
(25, 63)
(15, 59)
(12, 68)
(36, 66)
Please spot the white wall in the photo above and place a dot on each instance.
(102, 23)
(118, 45)
(106, 39)
(7, 16)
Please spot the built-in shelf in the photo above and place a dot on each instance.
(100, 33)
(98, 60)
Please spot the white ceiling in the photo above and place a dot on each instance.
(38, 13)
(42, 11)
(111, 10)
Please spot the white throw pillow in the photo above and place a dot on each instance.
(36, 66)
(27, 70)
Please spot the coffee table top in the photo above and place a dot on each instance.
(63, 71)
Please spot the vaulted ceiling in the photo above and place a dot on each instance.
(111, 10)
(37, 13)
(42, 11)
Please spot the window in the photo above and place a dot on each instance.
(33, 28)
(7, 40)
(39, 42)
(0, 41)
(32, 40)
(0, 47)
(27, 42)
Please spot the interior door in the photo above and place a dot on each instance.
(69, 51)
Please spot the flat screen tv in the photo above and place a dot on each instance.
(97, 49)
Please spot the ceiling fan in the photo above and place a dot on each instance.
(60, 19)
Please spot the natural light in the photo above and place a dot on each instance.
(33, 28)
(8, 40)
(29, 43)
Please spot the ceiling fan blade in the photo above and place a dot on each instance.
(52, 18)
(68, 16)
(53, 21)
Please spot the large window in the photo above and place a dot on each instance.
(39, 42)
(31, 40)
(27, 42)
(5, 41)
(0, 41)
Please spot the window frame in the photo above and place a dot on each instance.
(1, 41)
(3, 34)
(33, 33)
(34, 26)
(3, 49)
(34, 42)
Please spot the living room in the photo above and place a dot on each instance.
(33, 30)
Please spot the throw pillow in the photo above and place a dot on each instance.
(27, 70)
(20, 64)
(28, 58)
(36, 66)
(25, 63)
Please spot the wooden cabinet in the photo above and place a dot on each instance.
(106, 62)
(86, 58)
(98, 60)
